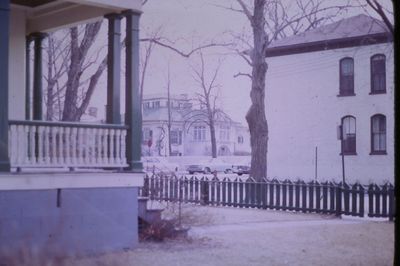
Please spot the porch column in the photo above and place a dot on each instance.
(29, 40)
(4, 37)
(133, 109)
(37, 76)
(113, 115)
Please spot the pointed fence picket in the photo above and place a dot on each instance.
(298, 196)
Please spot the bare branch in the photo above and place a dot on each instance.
(245, 10)
(182, 53)
(243, 74)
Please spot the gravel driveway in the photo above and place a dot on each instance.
(230, 236)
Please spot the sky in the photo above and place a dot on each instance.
(188, 24)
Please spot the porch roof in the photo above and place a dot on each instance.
(49, 15)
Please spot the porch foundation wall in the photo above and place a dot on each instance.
(70, 222)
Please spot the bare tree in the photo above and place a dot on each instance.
(169, 123)
(56, 68)
(69, 84)
(208, 113)
(383, 13)
(271, 20)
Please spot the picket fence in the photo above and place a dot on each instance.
(286, 195)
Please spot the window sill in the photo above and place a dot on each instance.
(345, 95)
(377, 92)
(349, 153)
(378, 153)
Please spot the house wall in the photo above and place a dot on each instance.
(16, 96)
(86, 222)
(303, 112)
(242, 148)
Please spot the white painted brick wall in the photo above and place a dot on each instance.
(303, 111)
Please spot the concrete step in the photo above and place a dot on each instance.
(149, 214)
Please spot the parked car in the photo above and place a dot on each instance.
(241, 169)
(159, 164)
(197, 168)
(219, 165)
(220, 168)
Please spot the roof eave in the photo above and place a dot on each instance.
(369, 39)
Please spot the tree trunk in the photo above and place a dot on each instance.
(169, 115)
(72, 110)
(50, 82)
(213, 139)
(256, 117)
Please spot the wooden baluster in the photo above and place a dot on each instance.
(67, 147)
(105, 146)
(97, 147)
(79, 158)
(60, 148)
(123, 146)
(85, 146)
(32, 145)
(21, 144)
(25, 151)
(118, 159)
(90, 144)
(13, 144)
(53, 156)
(40, 156)
(111, 152)
(47, 145)
(74, 146)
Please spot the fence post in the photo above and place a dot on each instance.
(264, 190)
(229, 192)
(346, 191)
(317, 197)
(362, 195)
(325, 197)
(145, 188)
(384, 200)
(297, 195)
(218, 184)
(371, 200)
(241, 196)
(235, 196)
(284, 194)
(354, 190)
(204, 191)
(291, 205)
(339, 199)
(223, 188)
(391, 202)
(197, 193)
(271, 194)
(303, 196)
(311, 196)
(278, 195)
(332, 197)
(377, 201)
(247, 193)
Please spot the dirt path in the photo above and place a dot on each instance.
(228, 236)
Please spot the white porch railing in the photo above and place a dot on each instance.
(65, 144)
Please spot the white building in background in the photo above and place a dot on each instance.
(189, 136)
(340, 73)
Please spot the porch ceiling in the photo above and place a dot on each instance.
(31, 3)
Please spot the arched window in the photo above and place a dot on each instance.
(378, 74)
(349, 134)
(346, 77)
(378, 134)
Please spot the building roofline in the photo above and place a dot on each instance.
(369, 39)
